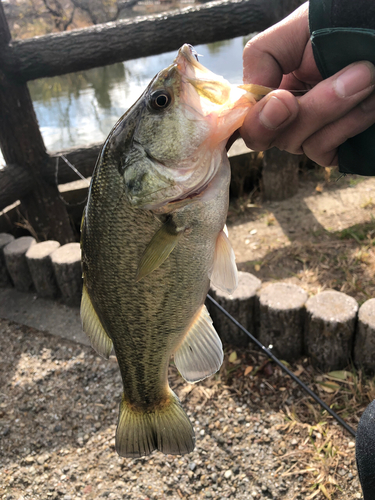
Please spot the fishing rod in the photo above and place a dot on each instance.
(284, 368)
(253, 339)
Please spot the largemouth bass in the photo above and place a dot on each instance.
(152, 239)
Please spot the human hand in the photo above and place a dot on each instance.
(321, 119)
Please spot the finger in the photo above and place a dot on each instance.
(266, 120)
(306, 76)
(278, 50)
(330, 100)
(308, 71)
(322, 146)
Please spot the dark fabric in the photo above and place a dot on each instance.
(349, 13)
(320, 14)
(335, 48)
(365, 451)
(343, 33)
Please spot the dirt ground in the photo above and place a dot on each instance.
(258, 436)
(322, 238)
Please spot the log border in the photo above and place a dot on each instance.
(239, 340)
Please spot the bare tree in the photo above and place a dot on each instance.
(61, 16)
(28, 18)
(99, 11)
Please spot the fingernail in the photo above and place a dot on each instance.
(274, 113)
(358, 77)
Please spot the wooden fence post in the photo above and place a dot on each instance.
(22, 143)
(280, 174)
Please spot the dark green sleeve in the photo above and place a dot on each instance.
(343, 32)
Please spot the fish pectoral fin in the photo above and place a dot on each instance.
(158, 250)
(166, 428)
(258, 91)
(93, 328)
(224, 272)
(201, 353)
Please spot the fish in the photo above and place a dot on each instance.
(153, 238)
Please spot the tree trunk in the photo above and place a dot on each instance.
(22, 144)
(16, 181)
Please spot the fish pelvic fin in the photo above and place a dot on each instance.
(201, 353)
(224, 272)
(93, 328)
(158, 250)
(167, 428)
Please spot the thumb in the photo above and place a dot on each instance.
(268, 118)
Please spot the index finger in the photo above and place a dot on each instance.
(279, 50)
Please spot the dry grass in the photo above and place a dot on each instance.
(323, 453)
(342, 260)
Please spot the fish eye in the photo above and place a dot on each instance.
(160, 99)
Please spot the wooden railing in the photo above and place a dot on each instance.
(29, 174)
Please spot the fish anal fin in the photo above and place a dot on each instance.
(200, 353)
(158, 250)
(166, 428)
(93, 328)
(224, 272)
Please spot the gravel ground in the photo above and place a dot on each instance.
(256, 435)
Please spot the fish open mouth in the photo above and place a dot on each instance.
(214, 89)
(206, 110)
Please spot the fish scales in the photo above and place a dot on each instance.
(152, 238)
(151, 301)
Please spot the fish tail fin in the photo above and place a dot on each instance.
(166, 428)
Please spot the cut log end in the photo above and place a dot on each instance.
(364, 349)
(15, 259)
(281, 319)
(280, 174)
(329, 330)
(5, 279)
(66, 262)
(283, 296)
(241, 305)
(41, 269)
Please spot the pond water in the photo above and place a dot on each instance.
(81, 108)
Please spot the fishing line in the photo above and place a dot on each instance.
(57, 180)
(243, 329)
(285, 369)
(72, 167)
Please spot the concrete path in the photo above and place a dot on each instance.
(44, 315)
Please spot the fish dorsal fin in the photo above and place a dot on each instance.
(224, 272)
(158, 250)
(93, 328)
(258, 91)
(200, 354)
